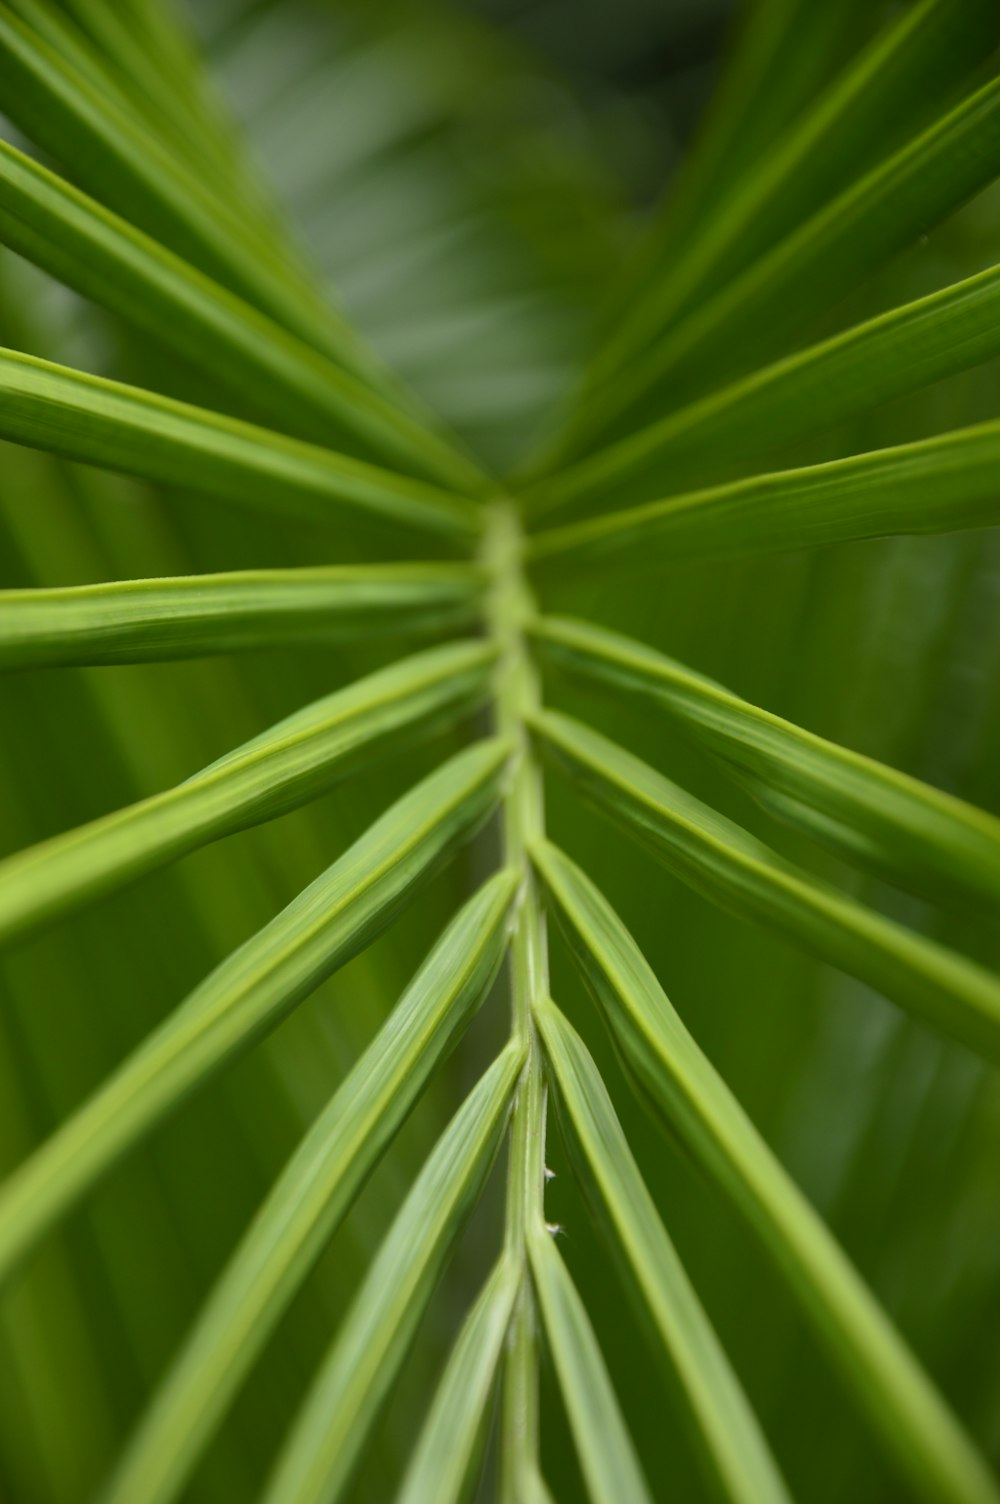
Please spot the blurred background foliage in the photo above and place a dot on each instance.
(469, 178)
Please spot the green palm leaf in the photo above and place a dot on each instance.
(733, 868)
(736, 1453)
(283, 767)
(918, 836)
(607, 1456)
(785, 386)
(441, 1462)
(806, 393)
(78, 120)
(353, 1378)
(929, 1447)
(933, 486)
(131, 621)
(918, 56)
(102, 256)
(313, 1193)
(124, 428)
(254, 987)
(807, 272)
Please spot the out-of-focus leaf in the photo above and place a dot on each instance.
(733, 868)
(190, 616)
(138, 53)
(443, 1457)
(724, 1427)
(916, 835)
(119, 427)
(285, 766)
(122, 162)
(898, 352)
(327, 924)
(77, 240)
(783, 55)
(919, 56)
(933, 1454)
(760, 310)
(937, 485)
(311, 1196)
(607, 1456)
(357, 1373)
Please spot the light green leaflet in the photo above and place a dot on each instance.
(607, 1456)
(759, 311)
(900, 351)
(311, 1196)
(126, 428)
(327, 924)
(733, 868)
(934, 486)
(133, 621)
(722, 1423)
(443, 1458)
(115, 156)
(77, 240)
(285, 766)
(916, 835)
(354, 1378)
(919, 56)
(932, 1452)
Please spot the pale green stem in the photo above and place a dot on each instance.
(508, 607)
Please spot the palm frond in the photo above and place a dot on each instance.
(88, 418)
(373, 279)
(355, 1374)
(809, 392)
(607, 1456)
(439, 1470)
(809, 271)
(736, 1453)
(917, 836)
(253, 988)
(279, 769)
(733, 868)
(937, 485)
(916, 60)
(929, 1446)
(313, 1193)
(190, 616)
(286, 380)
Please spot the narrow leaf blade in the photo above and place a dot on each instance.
(724, 1426)
(327, 924)
(441, 1462)
(806, 393)
(355, 1376)
(75, 117)
(607, 1456)
(937, 485)
(907, 68)
(282, 768)
(759, 312)
(187, 616)
(311, 1196)
(913, 834)
(932, 1453)
(734, 869)
(119, 427)
(85, 245)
